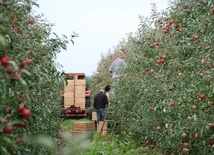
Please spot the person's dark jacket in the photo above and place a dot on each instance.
(100, 100)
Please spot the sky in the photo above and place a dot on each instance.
(100, 25)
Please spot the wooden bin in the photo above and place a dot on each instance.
(83, 127)
(80, 94)
(94, 115)
(105, 127)
(80, 102)
(69, 83)
(68, 101)
(81, 82)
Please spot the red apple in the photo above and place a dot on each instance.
(194, 107)
(9, 69)
(31, 22)
(144, 54)
(8, 129)
(146, 143)
(164, 57)
(26, 113)
(195, 37)
(196, 136)
(159, 61)
(21, 107)
(172, 103)
(211, 142)
(21, 65)
(162, 60)
(171, 21)
(4, 60)
(158, 128)
(211, 125)
(165, 30)
(212, 10)
(202, 96)
(160, 21)
(17, 76)
(15, 30)
(178, 29)
(27, 62)
(157, 43)
(185, 150)
(17, 139)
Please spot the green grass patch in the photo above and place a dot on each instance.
(123, 144)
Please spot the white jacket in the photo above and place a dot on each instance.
(116, 67)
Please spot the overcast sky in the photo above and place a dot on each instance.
(100, 25)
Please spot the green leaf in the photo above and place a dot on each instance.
(42, 141)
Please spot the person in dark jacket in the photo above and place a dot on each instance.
(100, 103)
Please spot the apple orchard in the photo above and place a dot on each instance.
(165, 98)
(166, 94)
(30, 87)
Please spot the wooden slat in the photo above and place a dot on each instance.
(99, 127)
(80, 102)
(80, 94)
(69, 83)
(81, 82)
(94, 115)
(69, 89)
(79, 88)
(68, 101)
(83, 127)
(69, 95)
(81, 105)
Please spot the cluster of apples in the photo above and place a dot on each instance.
(5, 62)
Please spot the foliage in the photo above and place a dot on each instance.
(74, 144)
(118, 144)
(166, 93)
(29, 78)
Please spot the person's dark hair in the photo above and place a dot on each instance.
(107, 88)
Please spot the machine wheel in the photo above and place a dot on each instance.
(89, 112)
(88, 104)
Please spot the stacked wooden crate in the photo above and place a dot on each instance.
(102, 127)
(74, 91)
(94, 116)
(69, 88)
(79, 93)
(83, 127)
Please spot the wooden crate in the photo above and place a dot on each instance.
(79, 100)
(66, 106)
(94, 115)
(81, 82)
(79, 94)
(69, 95)
(68, 101)
(69, 83)
(79, 88)
(105, 127)
(81, 105)
(83, 127)
(69, 89)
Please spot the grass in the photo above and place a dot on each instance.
(111, 144)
